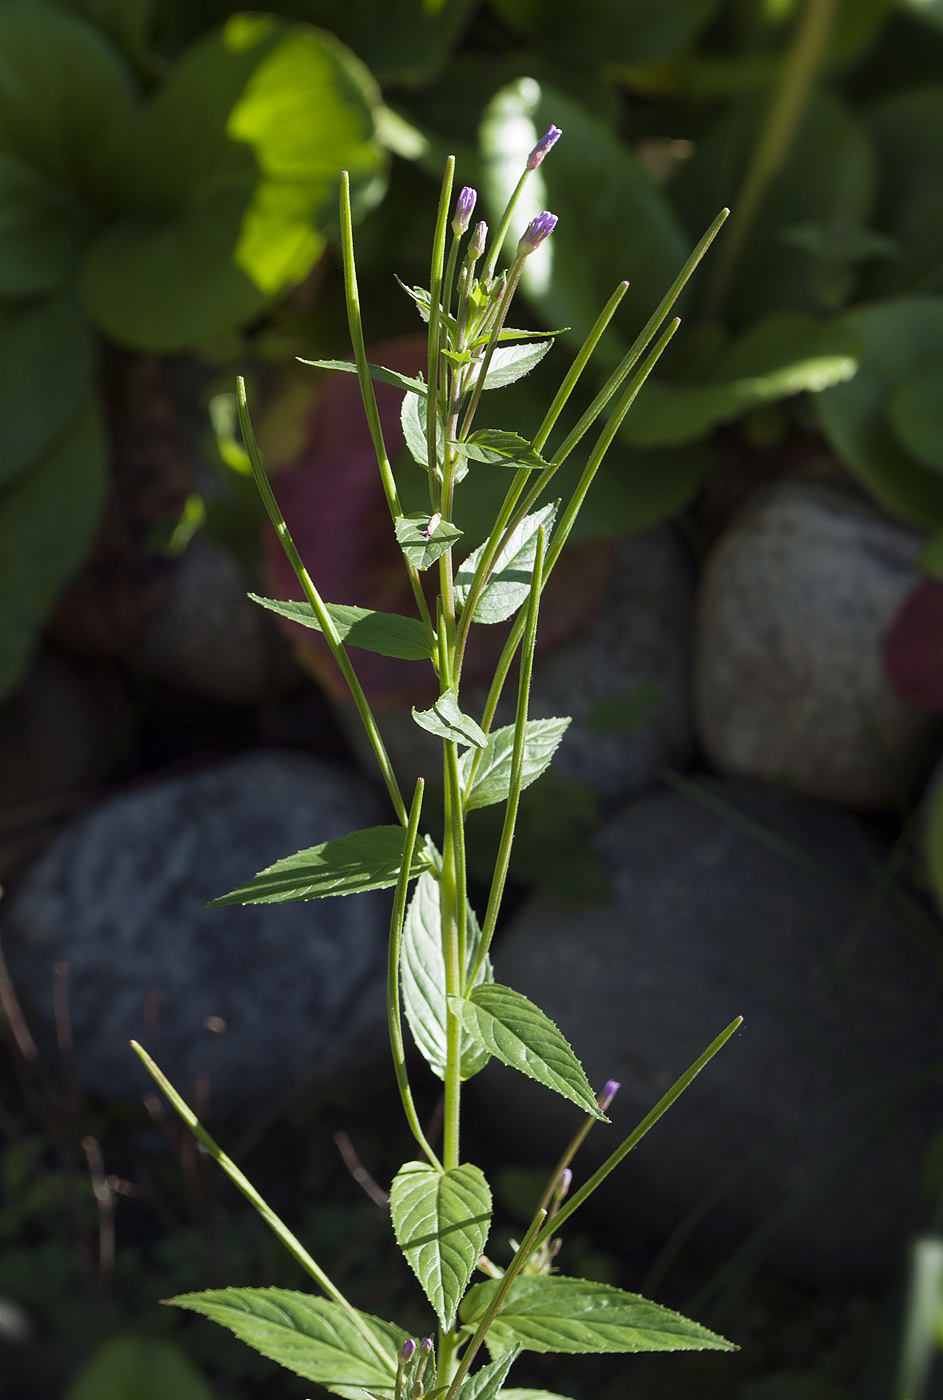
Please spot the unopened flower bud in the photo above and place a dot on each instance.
(543, 146)
(563, 1183)
(610, 1089)
(476, 244)
(409, 1346)
(536, 231)
(426, 1345)
(464, 207)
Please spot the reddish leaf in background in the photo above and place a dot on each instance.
(333, 502)
(913, 646)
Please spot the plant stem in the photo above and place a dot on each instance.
(517, 759)
(242, 1183)
(392, 978)
(772, 146)
(367, 391)
(435, 313)
(314, 598)
(525, 1249)
(649, 1121)
(497, 240)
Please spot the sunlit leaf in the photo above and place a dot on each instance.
(446, 721)
(510, 580)
(499, 448)
(493, 775)
(386, 376)
(441, 1220)
(388, 634)
(421, 545)
(363, 860)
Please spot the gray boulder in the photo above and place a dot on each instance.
(121, 897)
(805, 1134)
(794, 601)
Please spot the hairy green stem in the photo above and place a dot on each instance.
(392, 978)
(435, 326)
(773, 143)
(497, 241)
(648, 1122)
(314, 598)
(277, 1226)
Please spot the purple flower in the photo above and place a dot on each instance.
(610, 1089)
(543, 146)
(426, 1345)
(409, 1346)
(563, 1183)
(536, 231)
(464, 207)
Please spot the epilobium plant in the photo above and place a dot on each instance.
(439, 953)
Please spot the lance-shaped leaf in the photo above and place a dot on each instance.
(487, 1381)
(386, 633)
(423, 546)
(413, 419)
(499, 448)
(364, 860)
(544, 1313)
(446, 720)
(509, 584)
(518, 1032)
(386, 376)
(313, 1337)
(492, 781)
(525, 1393)
(441, 1220)
(511, 362)
(423, 976)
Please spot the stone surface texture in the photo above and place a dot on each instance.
(794, 602)
(121, 897)
(811, 1123)
(641, 635)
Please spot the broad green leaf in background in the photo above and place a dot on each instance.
(907, 130)
(401, 41)
(385, 633)
(363, 860)
(66, 97)
(48, 518)
(423, 976)
(423, 546)
(900, 340)
(493, 776)
(509, 584)
(930, 10)
(826, 184)
(41, 230)
(606, 31)
(520, 1035)
(314, 1337)
(441, 1220)
(47, 364)
(499, 448)
(126, 22)
(386, 376)
(512, 362)
(573, 1315)
(139, 1368)
(446, 721)
(779, 356)
(635, 489)
(915, 412)
(614, 222)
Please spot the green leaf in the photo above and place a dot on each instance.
(385, 376)
(487, 1381)
(66, 99)
(138, 1368)
(510, 580)
(40, 232)
(446, 720)
(520, 1035)
(499, 448)
(493, 777)
(48, 518)
(47, 364)
(826, 181)
(313, 1337)
(403, 42)
(782, 355)
(512, 362)
(608, 31)
(363, 860)
(389, 634)
(572, 1315)
(419, 544)
(908, 133)
(424, 983)
(899, 340)
(441, 1220)
(523, 1393)
(637, 488)
(126, 22)
(933, 844)
(413, 419)
(626, 714)
(614, 222)
(915, 412)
